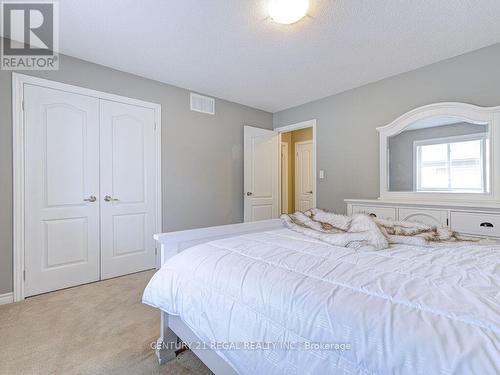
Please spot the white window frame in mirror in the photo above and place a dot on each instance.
(485, 175)
(467, 112)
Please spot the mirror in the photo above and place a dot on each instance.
(440, 154)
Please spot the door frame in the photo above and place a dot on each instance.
(284, 177)
(295, 169)
(18, 82)
(297, 126)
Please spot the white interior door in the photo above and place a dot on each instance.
(303, 176)
(261, 168)
(128, 189)
(61, 189)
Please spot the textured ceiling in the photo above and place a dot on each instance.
(231, 49)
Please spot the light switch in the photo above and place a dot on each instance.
(321, 174)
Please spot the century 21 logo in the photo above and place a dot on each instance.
(29, 29)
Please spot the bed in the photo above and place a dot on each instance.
(257, 298)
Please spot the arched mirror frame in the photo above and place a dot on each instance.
(467, 112)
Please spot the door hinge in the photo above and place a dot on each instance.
(156, 251)
(22, 105)
(24, 275)
(156, 125)
(447, 222)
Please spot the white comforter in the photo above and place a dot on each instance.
(404, 310)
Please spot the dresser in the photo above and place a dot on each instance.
(481, 220)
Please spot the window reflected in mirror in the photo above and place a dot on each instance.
(440, 154)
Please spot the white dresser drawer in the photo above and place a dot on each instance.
(424, 216)
(388, 213)
(476, 223)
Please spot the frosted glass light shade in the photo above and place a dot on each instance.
(287, 11)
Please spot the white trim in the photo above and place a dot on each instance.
(6, 298)
(451, 109)
(18, 82)
(27, 79)
(286, 180)
(159, 205)
(296, 126)
(304, 125)
(18, 185)
(467, 112)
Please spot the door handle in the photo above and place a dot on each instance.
(309, 192)
(108, 198)
(486, 225)
(249, 193)
(92, 198)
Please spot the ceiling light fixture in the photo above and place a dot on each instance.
(287, 11)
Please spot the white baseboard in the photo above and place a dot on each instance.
(6, 298)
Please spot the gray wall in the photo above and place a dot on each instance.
(347, 139)
(202, 166)
(401, 173)
(202, 155)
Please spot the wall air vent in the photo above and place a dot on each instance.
(203, 104)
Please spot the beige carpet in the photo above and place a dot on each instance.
(100, 328)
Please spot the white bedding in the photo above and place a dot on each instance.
(404, 310)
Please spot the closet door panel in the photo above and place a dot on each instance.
(128, 180)
(61, 189)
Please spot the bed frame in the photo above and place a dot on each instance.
(172, 327)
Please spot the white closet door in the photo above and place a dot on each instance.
(128, 197)
(261, 169)
(303, 176)
(61, 181)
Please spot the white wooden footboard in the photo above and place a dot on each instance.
(172, 326)
(175, 242)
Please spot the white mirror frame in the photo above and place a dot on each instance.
(470, 113)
